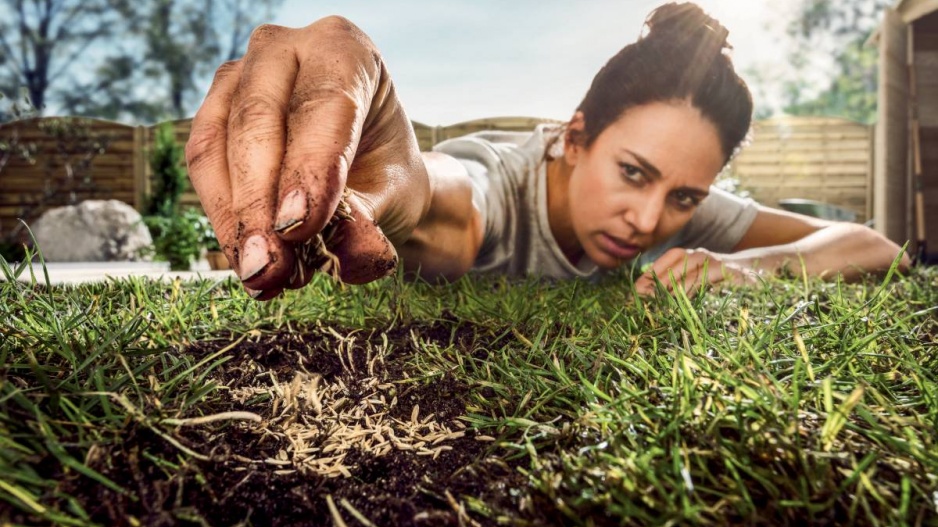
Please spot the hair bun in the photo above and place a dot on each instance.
(679, 59)
(687, 25)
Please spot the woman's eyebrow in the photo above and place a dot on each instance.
(650, 168)
(653, 171)
(694, 191)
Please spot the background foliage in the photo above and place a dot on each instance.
(836, 33)
(145, 62)
(118, 59)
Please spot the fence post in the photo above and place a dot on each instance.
(141, 190)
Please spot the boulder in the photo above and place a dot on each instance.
(92, 231)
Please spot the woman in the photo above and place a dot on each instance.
(311, 112)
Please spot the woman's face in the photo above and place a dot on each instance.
(641, 180)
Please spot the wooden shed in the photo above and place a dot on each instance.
(906, 143)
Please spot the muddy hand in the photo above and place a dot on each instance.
(283, 132)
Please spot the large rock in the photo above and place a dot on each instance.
(92, 231)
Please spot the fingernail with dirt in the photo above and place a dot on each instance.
(255, 256)
(293, 211)
(254, 293)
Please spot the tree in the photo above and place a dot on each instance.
(115, 92)
(175, 44)
(851, 94)
(837, 31)
(43, 41)
(118, 59)
(188, 39)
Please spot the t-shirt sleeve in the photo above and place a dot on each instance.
(492, 192)
(720, 222)
(488, 197)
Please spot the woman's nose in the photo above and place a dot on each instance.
(644, 215)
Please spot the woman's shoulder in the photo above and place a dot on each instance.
(499, 146)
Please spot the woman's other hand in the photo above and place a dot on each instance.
(693, 269)
(305, 114)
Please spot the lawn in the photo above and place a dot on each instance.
(482, 402)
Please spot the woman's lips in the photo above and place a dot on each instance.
(618, 248)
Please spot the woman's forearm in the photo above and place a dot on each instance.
(847, 249)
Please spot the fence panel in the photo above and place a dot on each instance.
(828, 160)
(794, 157)
(65, 169)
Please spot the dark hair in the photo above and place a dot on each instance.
(680, 58)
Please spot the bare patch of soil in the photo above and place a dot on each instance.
(343, 429)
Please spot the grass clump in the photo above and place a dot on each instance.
(559, 403)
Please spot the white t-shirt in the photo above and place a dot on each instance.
(509, 188)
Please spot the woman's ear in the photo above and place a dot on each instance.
(573, 138)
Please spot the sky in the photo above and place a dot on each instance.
(457, 60)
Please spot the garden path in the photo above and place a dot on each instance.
(85, 272)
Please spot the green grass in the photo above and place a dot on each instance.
(796, 401)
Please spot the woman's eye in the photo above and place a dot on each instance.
(685, 200)
(632, 173)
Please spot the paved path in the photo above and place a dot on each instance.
(84, 272)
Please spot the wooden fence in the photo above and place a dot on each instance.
(828, 160)
(823, 159)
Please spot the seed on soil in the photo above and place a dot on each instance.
(319, 420)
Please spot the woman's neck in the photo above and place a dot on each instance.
(558, 209)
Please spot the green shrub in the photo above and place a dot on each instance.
(209, 241)
(170, 177)
(12, 251)
(179, 238)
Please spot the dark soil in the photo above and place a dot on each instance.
(398, 488)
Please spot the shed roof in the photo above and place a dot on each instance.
(910, 11)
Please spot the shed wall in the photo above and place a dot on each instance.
(925, 60)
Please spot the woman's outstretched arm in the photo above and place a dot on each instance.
(778, 239)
